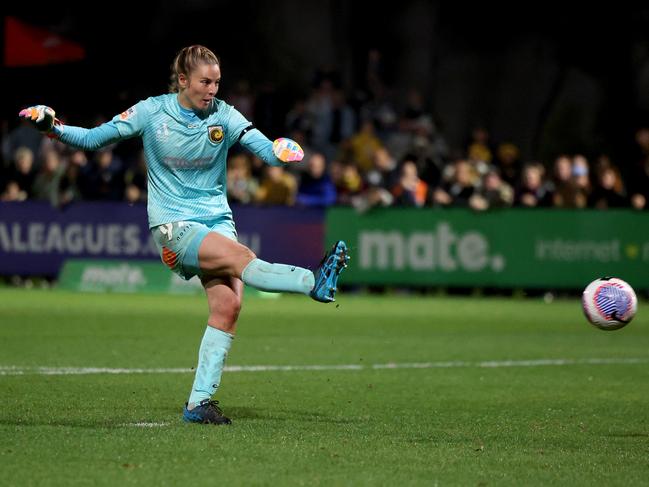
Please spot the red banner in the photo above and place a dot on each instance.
(26, 45)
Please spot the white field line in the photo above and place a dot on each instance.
(27, 370)
(144, 425)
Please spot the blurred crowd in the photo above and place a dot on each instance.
(361, 150)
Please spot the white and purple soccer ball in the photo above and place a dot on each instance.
(609, 303)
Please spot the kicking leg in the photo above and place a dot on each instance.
(221, 256)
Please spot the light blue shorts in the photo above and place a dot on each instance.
(178, 243)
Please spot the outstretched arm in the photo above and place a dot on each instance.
(44, 119)
(90, 139)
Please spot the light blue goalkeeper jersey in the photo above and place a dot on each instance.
(186, 154)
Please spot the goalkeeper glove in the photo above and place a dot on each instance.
(43, 118)
(287, 150)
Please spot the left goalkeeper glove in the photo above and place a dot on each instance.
(43, 118)
(287, 150)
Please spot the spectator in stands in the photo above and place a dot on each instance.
(47, 181)
(479, 149)
(71, 181)
(362, 147)
(458, 186)
(492, 193)
(384, 172)
(604, 162)
(566, 193)
(347, 181)
(105, 177)
(22, 172)
(242, 187)
(379, 182)
(424, 145)
(508, 162)
(562, 170)
(608, 192)
(316, 187)
(24, 135)
(410, 189)
(581, 175)
(13, 192)
(479, 154)
(133, 194)
(533, 191)
(278, 187)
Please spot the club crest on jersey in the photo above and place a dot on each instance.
(215, 133)
(127, 114)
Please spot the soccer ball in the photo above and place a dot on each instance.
(609, 303)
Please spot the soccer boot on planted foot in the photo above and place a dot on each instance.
(326, 276)
(205, 412)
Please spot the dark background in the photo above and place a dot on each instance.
(550, 77)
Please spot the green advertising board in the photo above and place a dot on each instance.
(506, 248)
(131, 276)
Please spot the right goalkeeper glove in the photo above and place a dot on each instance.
(43, 118)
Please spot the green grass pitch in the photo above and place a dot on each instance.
(492, 404)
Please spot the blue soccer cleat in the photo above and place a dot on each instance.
(326, 276)
(206, 412)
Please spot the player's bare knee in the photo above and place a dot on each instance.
(234, 314)
(248, 255)
(233, 307)
(226, 313)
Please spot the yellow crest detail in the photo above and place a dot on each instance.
(215, 133)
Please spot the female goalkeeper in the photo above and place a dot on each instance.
(186, 136)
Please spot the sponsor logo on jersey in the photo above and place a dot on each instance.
(181, 163)
(127, 114)
(215, 133)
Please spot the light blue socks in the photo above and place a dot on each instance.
(211, 359)
(216, 343)
(278, 277)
